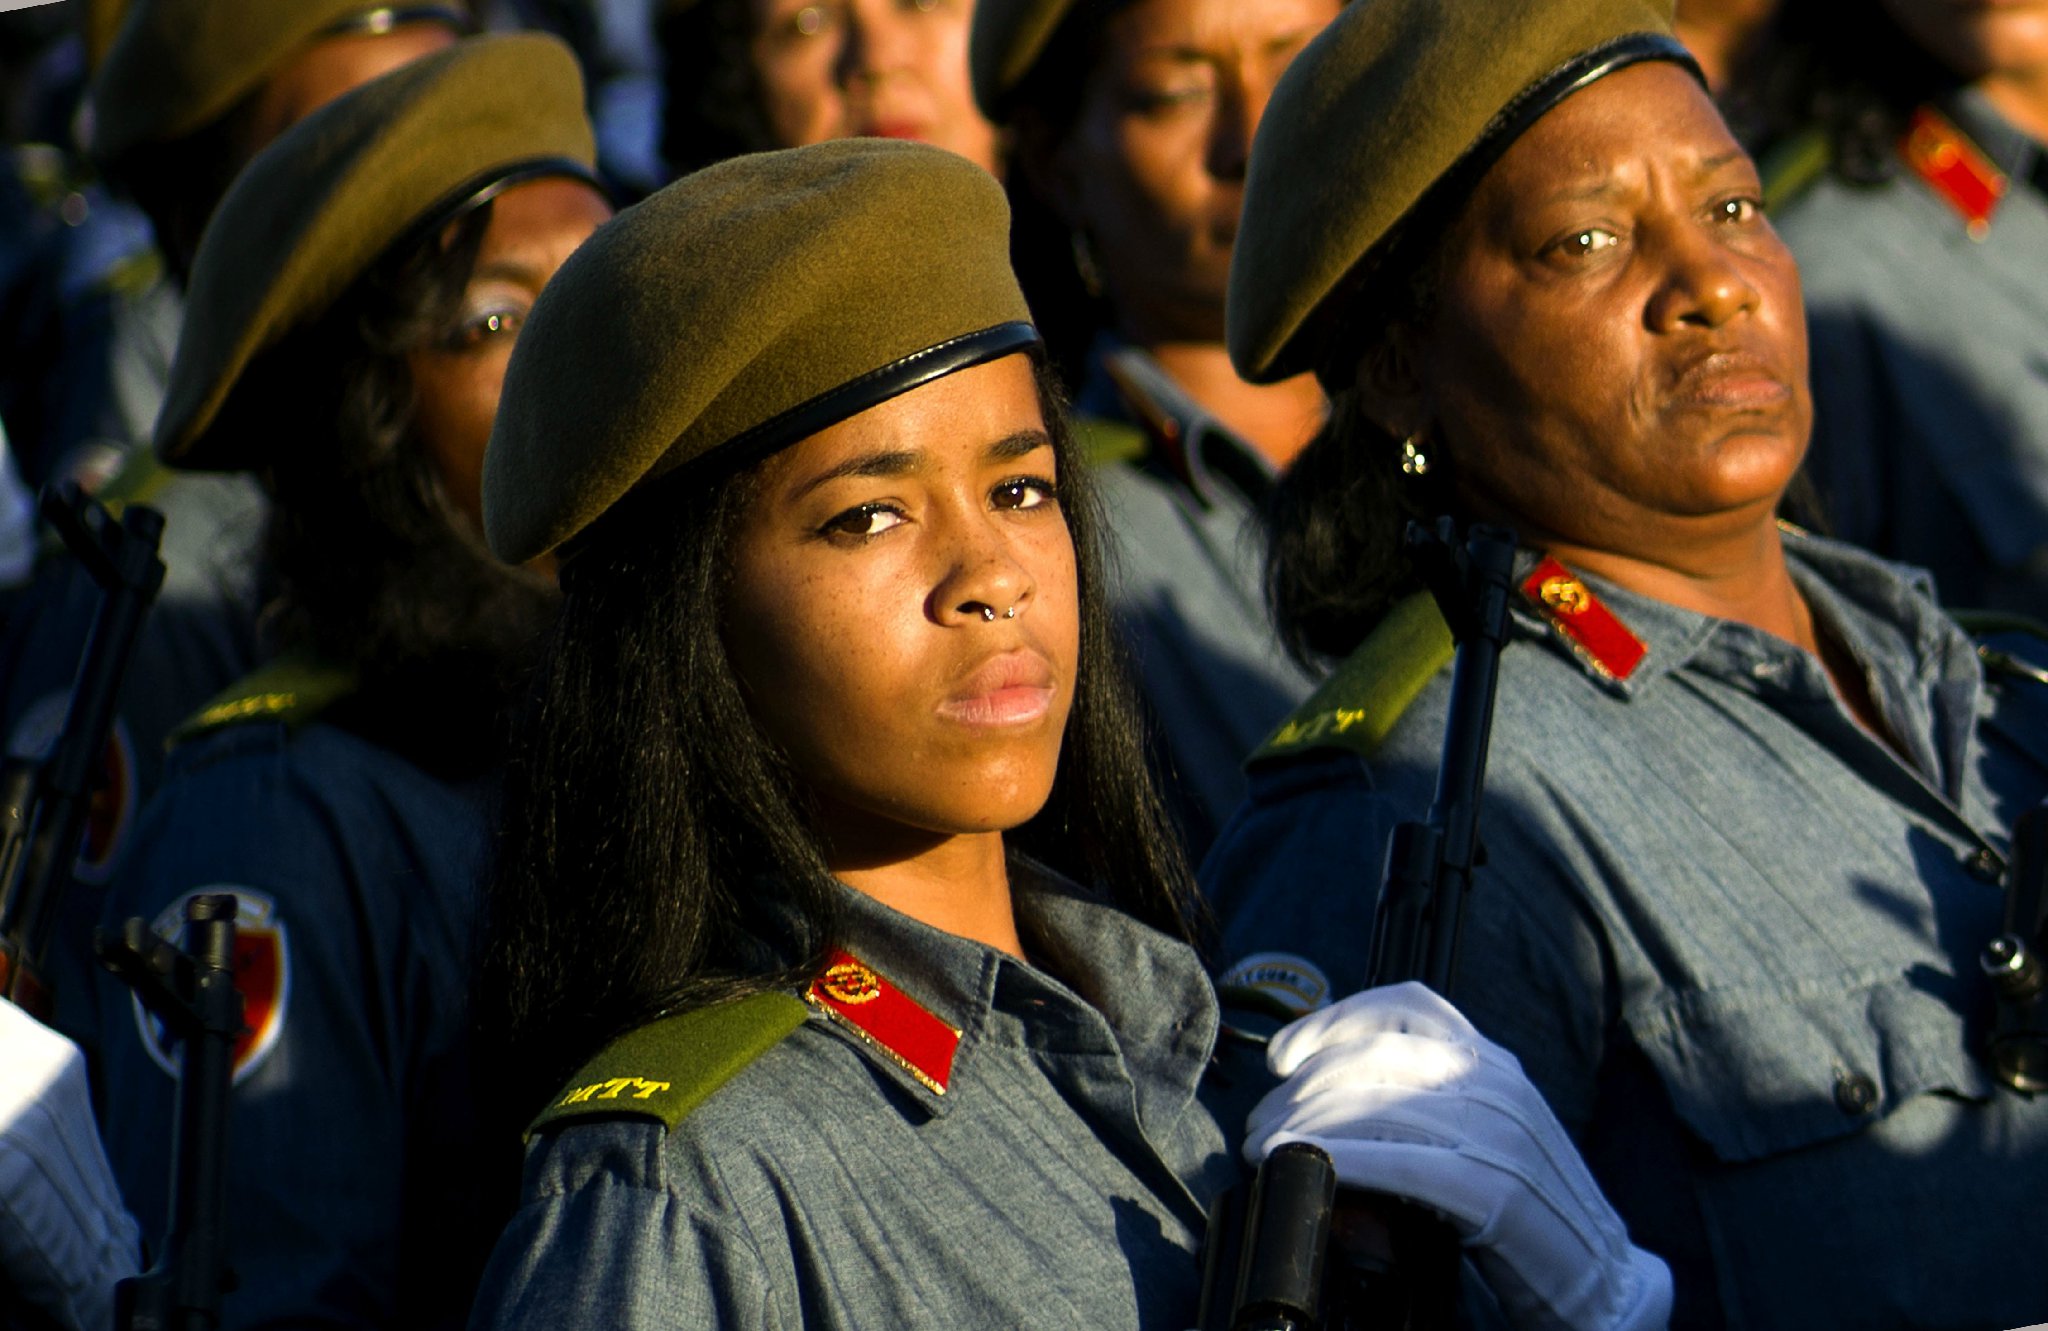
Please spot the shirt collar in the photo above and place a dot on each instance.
(1150, 990)
(1126, 383)
(2010, 148)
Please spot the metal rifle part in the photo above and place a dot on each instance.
(193, 993)
(44, 818)
(1395, 1264)
(2018, 1047)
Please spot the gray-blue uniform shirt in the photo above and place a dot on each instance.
(1187, 584)
(1061, 1179)
(1930, 367)
(1731, 935)
(358, 1190)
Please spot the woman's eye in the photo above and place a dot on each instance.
(1739, 210)
(484, 326)
(1024, 492)
(1580, 244)
(808, 21)
(867, 520)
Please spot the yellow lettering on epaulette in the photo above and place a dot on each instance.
(612, 1088)
(581, 1093)
(1348, 717)
(648, 1088)
(1289, 733)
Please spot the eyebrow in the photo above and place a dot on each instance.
(506, 270)
(902, 461)
(1606, 186)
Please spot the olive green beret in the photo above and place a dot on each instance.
(102, 21)
(741, 309)
(319, 206)
(176, 66)
(1007, 39)
(1396, 100)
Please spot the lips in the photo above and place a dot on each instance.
(1732, 381)
(1013, 689)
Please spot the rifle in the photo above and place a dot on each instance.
(1385, 1263)
(193, 993)
(43, 807)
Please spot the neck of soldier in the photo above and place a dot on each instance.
(1276, 419)
(1725, 569)
(2021, 96)
(957, 882)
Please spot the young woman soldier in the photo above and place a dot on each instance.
(1131, 124)
(832, 670)
(350, 318)
(1745, 816)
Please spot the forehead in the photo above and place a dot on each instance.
(952, 420)
(1651, 115)
(1196, 27)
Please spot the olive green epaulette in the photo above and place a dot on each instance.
(293, 690)
(1103, 442)
(667, 1068)
(1793, 167)
(1357, 706)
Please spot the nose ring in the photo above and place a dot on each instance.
(988, 614)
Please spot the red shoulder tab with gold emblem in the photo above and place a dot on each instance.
(1955, 168)
(851, 993)
(1601, 640)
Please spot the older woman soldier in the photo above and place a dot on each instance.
(351, 313)
(1745, 818)
(831, 670)
(1132, 124)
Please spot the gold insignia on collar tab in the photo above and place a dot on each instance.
(1565, 594)
(851, 983)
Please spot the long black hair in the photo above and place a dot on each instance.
(368, 562)
(658, 852)
(712, 106)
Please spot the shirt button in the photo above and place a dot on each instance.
(1855, 1093)
(1984, 865)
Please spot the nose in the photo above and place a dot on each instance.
(879, 41)
(981, 579)
(1705, 284)
(1238, 108)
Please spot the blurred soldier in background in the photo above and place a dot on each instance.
(351, 311)
(746, 75)
(1912, 184)
(1132, 125)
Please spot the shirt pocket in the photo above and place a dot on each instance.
(1759, 1070)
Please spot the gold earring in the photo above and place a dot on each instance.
(1414, 462)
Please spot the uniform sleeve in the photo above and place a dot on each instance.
(606, 1249)
(318, 1133)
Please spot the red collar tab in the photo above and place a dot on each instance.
(854, 995)
(1595, 633)
(1955, 168)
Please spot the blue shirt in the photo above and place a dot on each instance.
(1930, 384)
(1732, 936)
(358, 1192)
(1187, 586)
(1061, 1180)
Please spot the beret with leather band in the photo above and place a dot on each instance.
(390, 161)
(737, 311)
(173, 67)
(1380, 129)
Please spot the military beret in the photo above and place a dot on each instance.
(102, 21)
(1395, 101)
(739, 310)
(380, 164)
(1005, 43)
(176, 66)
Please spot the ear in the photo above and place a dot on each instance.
(1391, 393)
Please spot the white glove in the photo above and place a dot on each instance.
(65, 1238)
(1408, 1098)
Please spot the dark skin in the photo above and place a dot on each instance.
(2001, 46)
(1617, 359)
